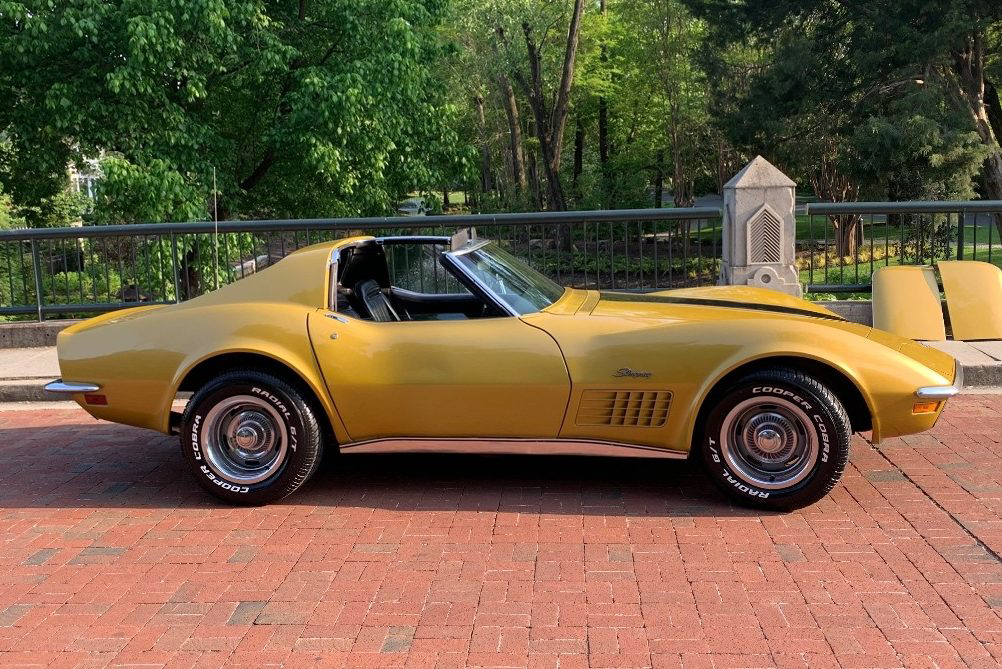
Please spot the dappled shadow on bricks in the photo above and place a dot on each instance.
(101, 465)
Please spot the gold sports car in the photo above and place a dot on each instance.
(323, 351)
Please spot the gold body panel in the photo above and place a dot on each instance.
(973, 292)
(599, 368)
(906, 303)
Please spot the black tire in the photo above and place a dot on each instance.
(775, 439)
(278, 424)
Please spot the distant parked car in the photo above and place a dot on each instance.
(321, 350)
(412, 206)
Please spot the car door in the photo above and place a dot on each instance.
(485, 377)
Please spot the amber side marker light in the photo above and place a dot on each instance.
(925, 407)
(96, 400)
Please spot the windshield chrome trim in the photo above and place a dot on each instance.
(414, 239)
(472, 246)
(497, 299)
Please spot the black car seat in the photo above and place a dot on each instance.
(375, 301)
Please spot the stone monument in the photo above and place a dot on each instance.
(760, 229)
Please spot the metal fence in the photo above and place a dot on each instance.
(839, 245)
(67, 272)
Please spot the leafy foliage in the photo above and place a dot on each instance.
(864, 91)
(9, 217)
(303, 109)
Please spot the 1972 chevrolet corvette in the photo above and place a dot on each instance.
(323, 351)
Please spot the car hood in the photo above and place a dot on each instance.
(666, 304)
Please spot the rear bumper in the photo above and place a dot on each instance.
(71, 387)
(943, 392)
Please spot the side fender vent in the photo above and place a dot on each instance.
(624, 408)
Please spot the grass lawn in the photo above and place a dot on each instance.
(878, 229)
(852, 273)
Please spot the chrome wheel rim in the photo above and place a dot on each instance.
(244, 439)
(770, 443)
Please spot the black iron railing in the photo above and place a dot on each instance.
(72, 271)
(62, 272)
(839, 245)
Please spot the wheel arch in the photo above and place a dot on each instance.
(853, 399)
(205, 369)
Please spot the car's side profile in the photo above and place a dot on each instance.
(328, 350)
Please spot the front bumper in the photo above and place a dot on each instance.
(70, 387)
(943, 392)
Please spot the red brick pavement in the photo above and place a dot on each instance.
(111, 556)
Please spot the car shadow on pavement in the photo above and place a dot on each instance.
(99, 465)
(559, 484)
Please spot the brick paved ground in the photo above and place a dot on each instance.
(110, 555)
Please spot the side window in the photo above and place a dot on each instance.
(416, 267)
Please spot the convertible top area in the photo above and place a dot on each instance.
(374, 279)
(400, 279)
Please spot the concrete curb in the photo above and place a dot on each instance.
(32, 390)
(980, 376)
(981, 360)
(27, 390)
(31, 335)
(857, 311)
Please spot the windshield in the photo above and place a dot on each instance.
(516, 284)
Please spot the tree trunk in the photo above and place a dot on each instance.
(514, 134)
(579, 139)
(554, 188)
(682, 187)
(603, 132)
(970, 86)
(550, 122)
(534, 187)
(993, 185)
(542, 124)
(486, 183)
(727, 164)
(561, 105)
(603, 129)
(189, 277)
(659, 178)
(848, 234)
(994, 108)
(831, 185)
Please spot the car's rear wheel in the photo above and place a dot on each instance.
(250, 437)
(776, 438)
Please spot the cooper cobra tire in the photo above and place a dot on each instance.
(250, 437)
(775, 439)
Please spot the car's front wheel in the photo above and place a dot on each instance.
(250, 437)
(776, 438)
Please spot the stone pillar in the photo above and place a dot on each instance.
(760, 229)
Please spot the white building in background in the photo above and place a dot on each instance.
(85, 176)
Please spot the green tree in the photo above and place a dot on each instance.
(665, 38)
(9, 216)
(840, 81)
(309, 108)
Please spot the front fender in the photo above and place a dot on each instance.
(885, 377)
